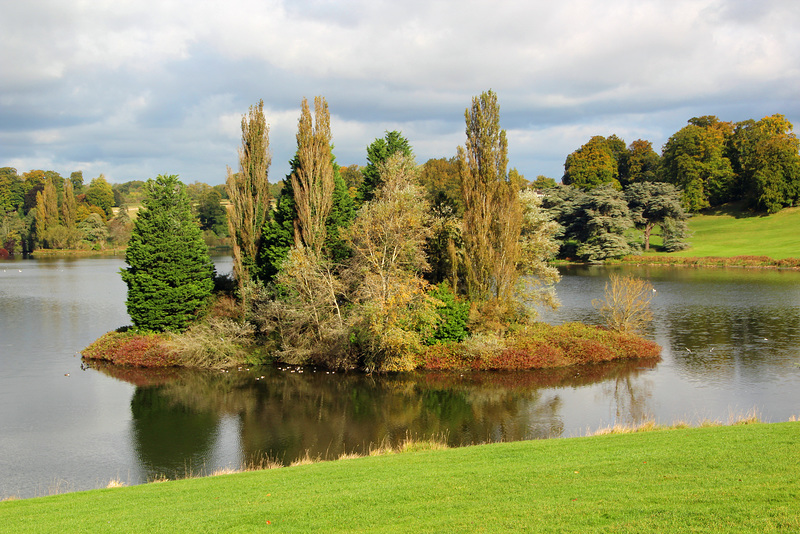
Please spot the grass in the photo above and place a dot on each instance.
(740, 478)
(732, 231)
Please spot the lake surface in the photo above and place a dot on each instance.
(731, 340)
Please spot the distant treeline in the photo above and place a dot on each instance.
(711, 162)
(42, 210)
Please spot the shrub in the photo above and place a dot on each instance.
(626, 307)
(143, 349)
(216, 343)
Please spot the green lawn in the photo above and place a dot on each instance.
(733, 232)
(719, 479)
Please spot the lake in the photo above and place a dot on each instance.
(730, 338)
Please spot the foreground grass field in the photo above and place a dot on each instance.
(716, 479)
(735, 232)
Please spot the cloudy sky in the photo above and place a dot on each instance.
(136, 88)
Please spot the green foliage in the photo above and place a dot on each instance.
(593, 164)
(380, 150)
(101, 194)
(170, 275)
(694, 160)
(211, 212)
(657, 203)
(594, 222)
(453, 316)
(765, 156)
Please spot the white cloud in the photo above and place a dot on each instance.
(143, 85)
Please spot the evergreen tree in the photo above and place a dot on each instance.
(654, 203)
(170, 274)
(379, 151)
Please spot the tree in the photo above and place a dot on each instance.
(607, 218)
(492, 210)
(380, 150)
(248, 191)
(46, 211)
(641, 163)
(76, 179)
(593, 224)
(593, 164)
(538, 246)
(441, 180)
(211, 213)
(654, 203)
(170, 275)
(100, 193)
(765, 157)
(69, 207)
(626, 304)
(388, 240)
(694, 161)
(312, 178)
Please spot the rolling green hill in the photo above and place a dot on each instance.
(732, 232)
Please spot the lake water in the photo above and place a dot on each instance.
(731, 340)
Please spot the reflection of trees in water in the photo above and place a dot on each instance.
(285, 415)
(720, 343)
(630, 398)
(170, 439)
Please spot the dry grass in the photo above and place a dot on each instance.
(749, 418)
(115, 483)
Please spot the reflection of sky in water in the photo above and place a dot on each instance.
(731, 342)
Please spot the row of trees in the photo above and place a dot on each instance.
(711, 162)
(41, 209)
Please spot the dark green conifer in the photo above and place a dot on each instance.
(170, 274)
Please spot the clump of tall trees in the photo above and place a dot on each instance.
(370, 271)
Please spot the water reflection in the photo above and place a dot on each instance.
(178, 415)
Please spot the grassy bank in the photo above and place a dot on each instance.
(732, 231)
(716, 479)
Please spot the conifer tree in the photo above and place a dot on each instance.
(170, 274)
(378, 152)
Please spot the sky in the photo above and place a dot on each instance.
(136, 88)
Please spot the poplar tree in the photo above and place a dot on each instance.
(312, 179)
(46, 209)
(170, 274)
(248, 191)
(492, 210)
(69, 207)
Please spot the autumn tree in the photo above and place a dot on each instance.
(312, 179)
(388, 239)
(169, 274)
(593, 164)
(492, 210)
(248, 191)
(538, 245)
(69, 206)
(626, 303)
(694, 160)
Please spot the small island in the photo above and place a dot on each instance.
(379, 279)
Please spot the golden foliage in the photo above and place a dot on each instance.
(626, 304)
(312, 179)
(248, 191)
